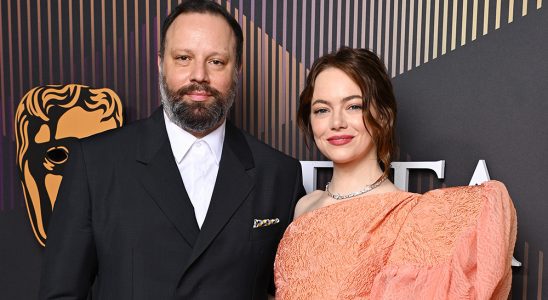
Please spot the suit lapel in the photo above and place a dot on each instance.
(160, 177)
(233, 185)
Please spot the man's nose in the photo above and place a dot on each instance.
(199, 72)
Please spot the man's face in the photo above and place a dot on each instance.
(198, 72)
(48, 151)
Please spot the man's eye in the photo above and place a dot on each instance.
(182, 57)
(217, 62)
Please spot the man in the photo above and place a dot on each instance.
(181, 205)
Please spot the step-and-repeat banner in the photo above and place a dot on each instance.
(470, 78)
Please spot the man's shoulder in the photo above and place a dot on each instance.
(119, 142)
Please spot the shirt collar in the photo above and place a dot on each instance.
(181, 140)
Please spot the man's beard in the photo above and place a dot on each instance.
(194, 116)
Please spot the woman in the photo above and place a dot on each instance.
(361, 237)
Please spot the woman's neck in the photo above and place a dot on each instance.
(354, 176)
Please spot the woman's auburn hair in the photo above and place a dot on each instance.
(379, 114)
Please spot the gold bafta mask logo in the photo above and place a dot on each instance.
(48, 118)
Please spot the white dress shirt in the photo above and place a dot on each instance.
(198, 162)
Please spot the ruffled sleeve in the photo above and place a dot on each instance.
(456, 244)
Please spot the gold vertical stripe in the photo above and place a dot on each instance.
(82, 61)
(60, 42)
(320, 52)
(444, 27)
(270, 91)
(147, 47)
(168, 5)
(238, 108)
(71, 42)
(330, 27)
(92, 16)
(50, 60)
(291, 120)
(259, 83)
(497, 16)
(355, 36)
(371, 24)
(395, 38)
(346, 25)
(338, 29)
(265, 82)
(2, 88)
(539, 276)
(245, 65)
(402, 34)
(19, 56)
(312, 31)
(39, 25)
(510, 11)
(363, 19)
(268, 100)
(276, 88)
(115, 46)
(29, 43)
(283, 91)
(288, 67)
(427, 32)
(295, 131)
(104, 42)
(379, 26)
(525, 271)
(419, 34)
(137, 67)
(524, 8)
(252, 79)
(464, 16)
(485, 17)
(387, 33)
(126, 55)
(158, 33)
(454, 26)
(539, 4)
(436, 25)
(411, 29)
(474, 20)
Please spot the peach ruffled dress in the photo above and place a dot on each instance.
(452, 243)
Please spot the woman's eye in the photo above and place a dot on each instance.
(320, 111)
(355, 107)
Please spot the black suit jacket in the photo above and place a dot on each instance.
(124, 223)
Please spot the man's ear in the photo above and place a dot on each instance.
(159, 62)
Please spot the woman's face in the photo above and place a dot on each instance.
(336, 118)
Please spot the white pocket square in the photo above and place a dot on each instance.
(265, 222)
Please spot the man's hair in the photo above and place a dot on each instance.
(203, 7)
(369, 73)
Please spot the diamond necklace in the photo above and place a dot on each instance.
(366, 189)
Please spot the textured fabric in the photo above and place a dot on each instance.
(453, 243)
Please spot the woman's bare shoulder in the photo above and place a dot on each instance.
(308, 202)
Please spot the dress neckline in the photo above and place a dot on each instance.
(351, 200)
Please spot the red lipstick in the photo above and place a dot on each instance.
(339, 140)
